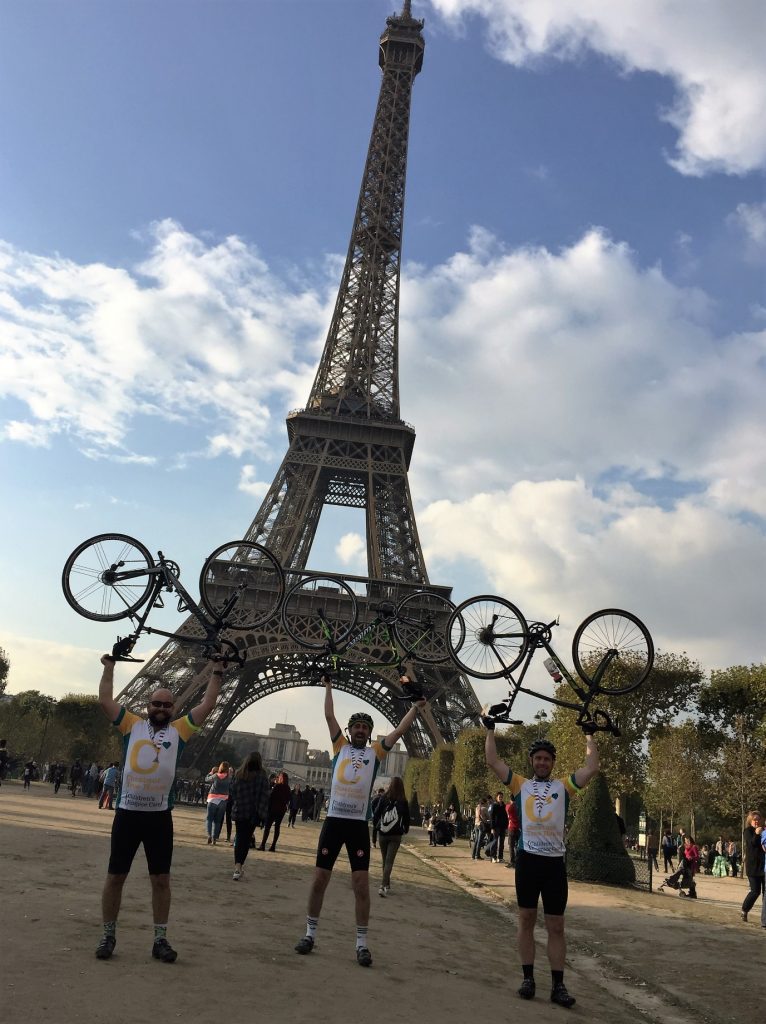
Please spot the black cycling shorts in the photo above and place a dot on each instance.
(132, 828)
(538, 876)
(348, 832)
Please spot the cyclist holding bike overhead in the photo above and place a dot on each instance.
(355, 766)
(542, 803)
(152, 746)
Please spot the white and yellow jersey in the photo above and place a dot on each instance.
(542, 808)
(149, 760)
(353, 776)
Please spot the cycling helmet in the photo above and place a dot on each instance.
(545, 745)
(360, 716)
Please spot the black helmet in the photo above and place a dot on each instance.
(545, 745)
(360, 716)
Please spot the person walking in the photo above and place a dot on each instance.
(374, 808)
(754, 865)
(690, 863)
(480, 825)
(295, 805)
(498, 822)
(28, 774)
(652, 849)
(279, 801)
(59, 771)
(392, 819)
(732, 852)
(108, 786)
(355, 765)
(219, 781)
(250, 806)
(514, 831)
(668, 850)
(153, 746)
(542, 803)
(75, 777)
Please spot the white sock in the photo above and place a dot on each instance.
(361, 937)
(311, 927)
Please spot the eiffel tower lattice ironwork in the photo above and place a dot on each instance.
(348, 447)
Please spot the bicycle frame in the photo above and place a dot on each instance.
(539, 639)
(167, 579)
(383, 621)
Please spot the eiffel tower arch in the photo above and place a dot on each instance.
(347, 447)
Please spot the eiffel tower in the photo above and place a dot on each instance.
(348, 447)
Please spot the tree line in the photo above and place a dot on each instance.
(692, 750)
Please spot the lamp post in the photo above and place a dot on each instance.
(540, 717)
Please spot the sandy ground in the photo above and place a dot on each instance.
(443, 942)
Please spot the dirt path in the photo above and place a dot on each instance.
(443, 942)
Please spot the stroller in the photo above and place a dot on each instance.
(681, 880)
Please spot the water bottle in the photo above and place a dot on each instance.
(553, 669)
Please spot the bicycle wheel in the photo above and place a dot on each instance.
(94, 582)
(487, 636)
(420, 626)
(319, 610)
(613, 630)
(242, 584)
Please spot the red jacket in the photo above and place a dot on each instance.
(513, 816)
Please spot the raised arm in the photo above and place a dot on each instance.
(109, 705)
(214, 671)
(591, 767)
(404, 725)
(329, 709)
(500, 768)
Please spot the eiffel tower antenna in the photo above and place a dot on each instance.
(348, 447)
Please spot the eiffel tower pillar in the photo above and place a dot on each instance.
(348, 447)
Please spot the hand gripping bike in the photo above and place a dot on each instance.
(612, 652)
(113, 576)
(321, 613)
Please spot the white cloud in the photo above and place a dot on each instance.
(556, 548)
(750, 219)
(712, 50)
(201, 332)
(249, 483)
(534, 365)
(586, 436)
(352, 550)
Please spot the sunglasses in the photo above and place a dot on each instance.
(161, 704)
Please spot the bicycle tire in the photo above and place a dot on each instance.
(306, 598)
(424, 635)
(480, 649)
(250, 569)
(621, 631)
(91, 594)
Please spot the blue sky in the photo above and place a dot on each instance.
(582, 333)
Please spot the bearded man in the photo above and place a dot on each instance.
(151, 749)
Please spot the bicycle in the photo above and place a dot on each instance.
(612, 651)
(401, 632)
(113, 576)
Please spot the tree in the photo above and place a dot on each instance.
(741, 774)
(416, 818)
(736, 691)
(672, 688)
(680, 771)
(92, 737)
(440, 764)
(595, 850)
(417, 776)
(5, 667)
